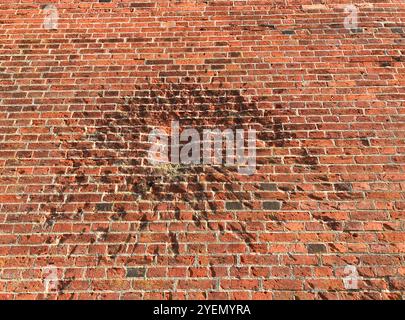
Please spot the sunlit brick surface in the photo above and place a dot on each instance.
(80, 202)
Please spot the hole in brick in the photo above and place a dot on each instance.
(268, 186)
(136, 272)
(316, 248)
(103, 206)
(104, 0)
(234, 206)
(271, 205)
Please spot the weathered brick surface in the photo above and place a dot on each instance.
(76, 191)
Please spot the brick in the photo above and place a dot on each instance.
(271, 205)
(316, 248)
(136, 272)
(104, 206)
(268, 187)
(314, 7)
(234, 206)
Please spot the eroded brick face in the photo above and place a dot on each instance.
(84, 215)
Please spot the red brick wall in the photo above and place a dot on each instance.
(78, 197)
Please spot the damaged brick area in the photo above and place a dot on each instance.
(195, 198)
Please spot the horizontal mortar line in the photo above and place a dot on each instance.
(366, 212)
(287, 127)
(91, 222)
(205, 96)
(196, 233)
(285, 101)
(326, 26)
(230, 254)
(346, 55)
(329, 25)
(185, 242)
(235, 61)
(369, 86)
(73, 222)
(132, 158)
(320, 65)
(244, 73)
(189, 277)
(273, 14)
(217, 97)
(119, 131)
(280, 212)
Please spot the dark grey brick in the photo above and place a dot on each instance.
(104, 206)
(288, 32)
(136, 272)
(397, 30)
(272, 205)
(233, 206)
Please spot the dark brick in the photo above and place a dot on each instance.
(268, 186)
(343, 187)
(136, 272)
(142, 5)
(233, 206)
(288, 32)
(397, 30)
(158, 62)
(316, 248)
(271, 205)
(104, 206)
